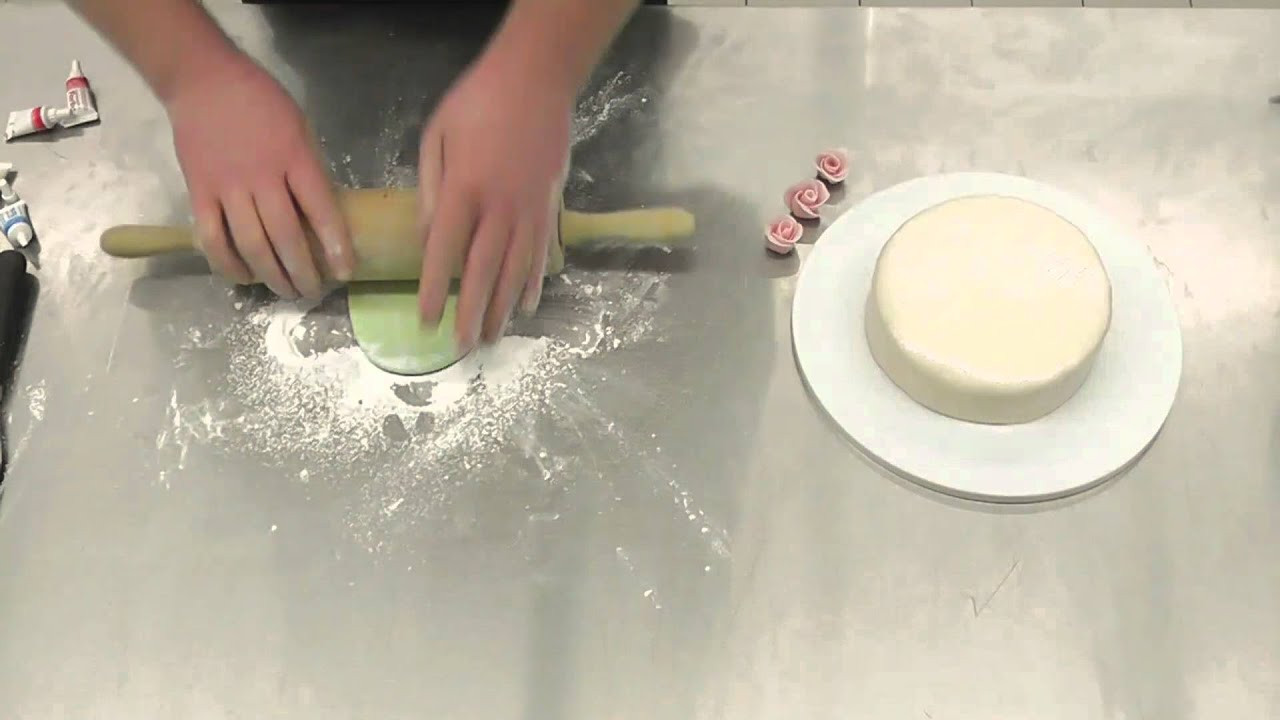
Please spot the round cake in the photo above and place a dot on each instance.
(988, 309)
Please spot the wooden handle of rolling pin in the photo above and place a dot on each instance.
(648, 226)
(141, 241)
(388, 243)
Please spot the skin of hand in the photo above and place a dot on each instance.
(253, 175)
(492, 164)
(492, 168)
(494, 159)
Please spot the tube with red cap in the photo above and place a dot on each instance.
(80, 109)
(79, 98)
(34, 120)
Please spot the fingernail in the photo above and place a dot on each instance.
(338, 262)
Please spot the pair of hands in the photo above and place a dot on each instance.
(492, 165)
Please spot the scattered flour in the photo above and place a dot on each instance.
(360, 387)
(300, 396)
(101, 194)
(600, 106)
(393, 153)
(35, 400)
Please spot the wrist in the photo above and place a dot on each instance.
(197, 68)
(525, 57)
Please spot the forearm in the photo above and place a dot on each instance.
(561, 39)
(170, 42)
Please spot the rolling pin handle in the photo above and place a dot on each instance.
(138, 241)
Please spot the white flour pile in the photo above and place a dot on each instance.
(301, 397)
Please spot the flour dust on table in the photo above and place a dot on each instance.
(98, 194)
(393, 157)
(302, 397)
(615, 98)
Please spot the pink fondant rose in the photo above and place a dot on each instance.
(805, 199)
(833, 165)
(782, 234)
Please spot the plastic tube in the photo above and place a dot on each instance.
(79, 98)
(34, 120)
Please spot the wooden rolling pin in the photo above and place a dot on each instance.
(388, 242)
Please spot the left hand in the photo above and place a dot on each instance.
(492, 168)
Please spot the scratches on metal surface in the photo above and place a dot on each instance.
(973, 600)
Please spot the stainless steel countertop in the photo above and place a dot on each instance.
(669, 528)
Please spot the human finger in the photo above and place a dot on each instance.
(447, 240)
(511, 281)
(211, 234)
(284, 231)
(251, 243)
(479, 273)
(313, 192)
(547, 232)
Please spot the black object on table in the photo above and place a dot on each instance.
(16, 288)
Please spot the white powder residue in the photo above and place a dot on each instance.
(601, 106)
(35, 407)
(393, 153)
(300, 396)
(36, 401)
(90, 197)
(357, 386)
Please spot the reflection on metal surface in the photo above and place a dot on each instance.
(868, 49)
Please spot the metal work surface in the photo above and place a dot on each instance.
(213, 510)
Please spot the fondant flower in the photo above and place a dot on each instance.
(782, 234)
(833, 165)
(806, 198)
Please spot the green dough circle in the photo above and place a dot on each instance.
(386, 325)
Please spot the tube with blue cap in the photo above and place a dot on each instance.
(15, 223)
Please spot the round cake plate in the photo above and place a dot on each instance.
(1105, 426)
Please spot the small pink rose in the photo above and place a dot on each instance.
(782, 234)
(833, 165)
(806, 198)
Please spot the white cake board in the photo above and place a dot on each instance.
(1096, 434)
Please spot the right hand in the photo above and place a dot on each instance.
(253, 174)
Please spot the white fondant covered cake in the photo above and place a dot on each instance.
(989, 309)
